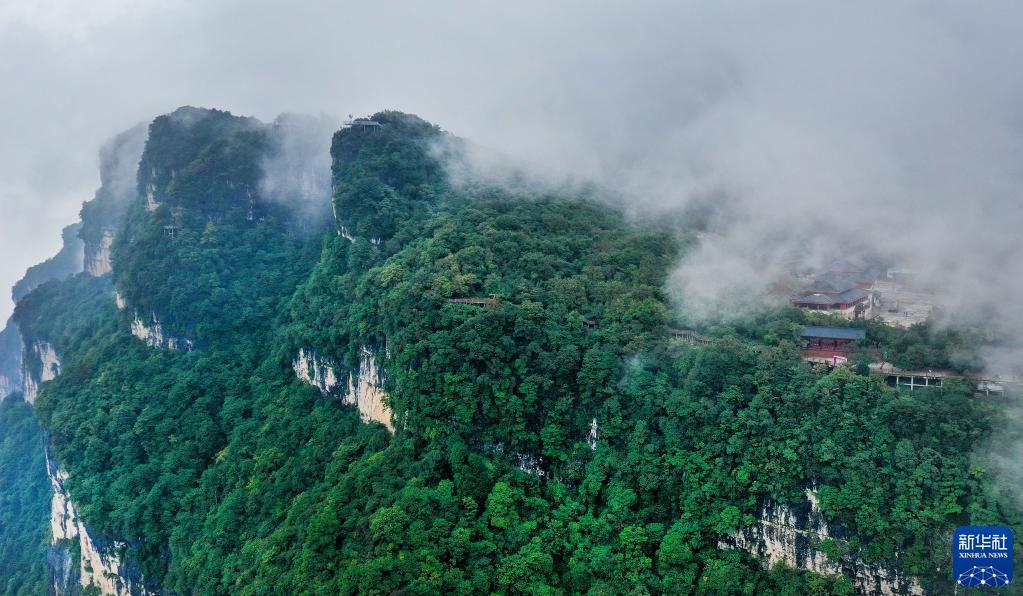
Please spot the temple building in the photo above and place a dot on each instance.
(836, 292)
(831, 345)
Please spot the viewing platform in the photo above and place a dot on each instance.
(985, 383)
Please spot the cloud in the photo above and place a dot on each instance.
(296, 172)
(119, 162)
(794, 127)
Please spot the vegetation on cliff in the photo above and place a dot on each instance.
(225, 474)
(24, 500)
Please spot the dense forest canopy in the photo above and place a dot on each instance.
(24, 500)
(554, 438)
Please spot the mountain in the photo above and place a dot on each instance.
(65, 263)
(430, 384)
(24, 488)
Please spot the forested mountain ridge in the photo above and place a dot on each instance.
(548, 434)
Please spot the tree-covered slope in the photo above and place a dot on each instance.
(24, 500)
(550, 437)
(64, 264)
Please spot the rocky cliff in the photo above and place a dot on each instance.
(67, 262)
(223, 472)
(196, 185)
(99, 563)
(363, 389)
(799, 536)
(152, 333)
(87, 247)
(101, 216)
(40, 364)
(97, 256)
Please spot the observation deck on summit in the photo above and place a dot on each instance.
(360, 122)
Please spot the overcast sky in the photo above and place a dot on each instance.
(897, 125)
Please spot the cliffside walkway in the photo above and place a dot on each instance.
(984, 383)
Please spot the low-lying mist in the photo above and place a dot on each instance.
(803, 136)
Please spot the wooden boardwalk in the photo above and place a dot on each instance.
(490, 303)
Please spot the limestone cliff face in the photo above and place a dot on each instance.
(347, 235)
(366, 390)
(363, 390)
(794, 535)
(43, 353)
(153, 335)
(102, 216)
(315, 371)
(100, 565)
(13, 353)
(151, 202)
(97, 256)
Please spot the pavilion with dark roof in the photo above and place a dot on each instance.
(834, 292)
(830, 344)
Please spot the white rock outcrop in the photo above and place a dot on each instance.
(119, 301)
(151, 203)
(313, 370)
(49, 359)
(367, 391)
(99, 568)
(793, 535)
(97, 258)
(29, 388)
(152, 335)
(347, 235)
(364, 390)
(49, 369)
